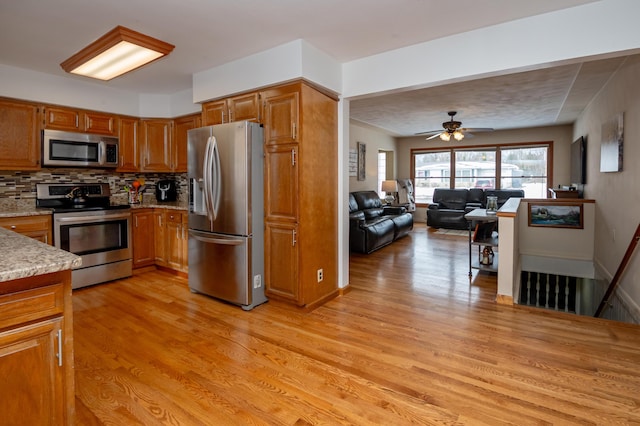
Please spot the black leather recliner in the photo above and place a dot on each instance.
(372, 225)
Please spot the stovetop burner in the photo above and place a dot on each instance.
(70, 197)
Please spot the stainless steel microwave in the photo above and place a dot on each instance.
(70, 149)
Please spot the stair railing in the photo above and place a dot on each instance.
(616, 278)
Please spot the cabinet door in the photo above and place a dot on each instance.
(19, 136)
(32, 391)
(95, 122)
(281, 261)
(244, 107)
(281, 182)
(143, 240)
(156, 146)
(159, 237)
(128, 145)
(174, 240)
(62, 119)
(214, 113)
(37, 227)
(179, 146)
(185, 242)
(280, 115)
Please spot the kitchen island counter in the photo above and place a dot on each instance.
(25, 257)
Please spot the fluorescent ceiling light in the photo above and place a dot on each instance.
(119, 51)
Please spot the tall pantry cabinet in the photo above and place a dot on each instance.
(301, 229)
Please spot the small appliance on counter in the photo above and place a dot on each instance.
(166, 191)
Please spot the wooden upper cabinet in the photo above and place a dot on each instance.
(237, 108)
(179, 143)
(214, 113)
(59, 118)
(62, 118)
(155, 145)
(280, 112)
(128, 145)
(19, 136)
(244, 107)
(104, 124)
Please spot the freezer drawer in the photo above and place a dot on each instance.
(220, 266)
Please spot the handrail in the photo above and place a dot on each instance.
(614, 283)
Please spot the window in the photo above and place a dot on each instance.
(475, 169)
(525, 168)
(430, 170)
(502, 167)
(382, 171)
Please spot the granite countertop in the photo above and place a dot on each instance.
(15, 209)
(177, 205)
(25, 257)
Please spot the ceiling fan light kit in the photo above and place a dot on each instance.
(118, 52)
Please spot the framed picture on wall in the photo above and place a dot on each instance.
(353, 162)
(611, 145)
(362, 156)
(556, 215)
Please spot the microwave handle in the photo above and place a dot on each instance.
(102, 152)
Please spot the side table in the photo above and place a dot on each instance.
(476, 219)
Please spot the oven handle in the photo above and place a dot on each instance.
(87, 219)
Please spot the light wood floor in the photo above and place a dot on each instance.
(413, 342)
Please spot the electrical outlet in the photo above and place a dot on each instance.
(257, 281)
(320, 275)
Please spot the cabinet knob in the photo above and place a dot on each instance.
(13, 227)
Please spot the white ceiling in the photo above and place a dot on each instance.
(39, 35)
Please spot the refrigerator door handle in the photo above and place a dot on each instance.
(206, 174)
(216, 179)
(214, 240)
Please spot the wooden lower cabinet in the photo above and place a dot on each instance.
(36, 351)
(160, 237)
(37, 227)
(281, 261)
(176, 241)
(143, 238)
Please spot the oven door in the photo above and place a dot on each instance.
(99, 237)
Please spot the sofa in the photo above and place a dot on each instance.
(450, 205)
(373, 225)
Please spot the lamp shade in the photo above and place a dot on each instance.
(119, 51)
(389, 186)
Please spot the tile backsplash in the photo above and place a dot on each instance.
(22, 185)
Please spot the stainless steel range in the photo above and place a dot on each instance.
(86, 224)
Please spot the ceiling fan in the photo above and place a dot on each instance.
(453, 128)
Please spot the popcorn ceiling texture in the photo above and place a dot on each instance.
(22, 185)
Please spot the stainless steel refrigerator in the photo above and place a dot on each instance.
(226, 212)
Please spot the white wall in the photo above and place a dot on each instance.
(375, 140)
(617, 194)
(75, 92)
(294, 60)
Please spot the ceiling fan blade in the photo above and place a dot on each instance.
(434, 136)
(477, 129)
(430, 132)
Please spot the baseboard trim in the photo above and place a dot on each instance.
(502, 299)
